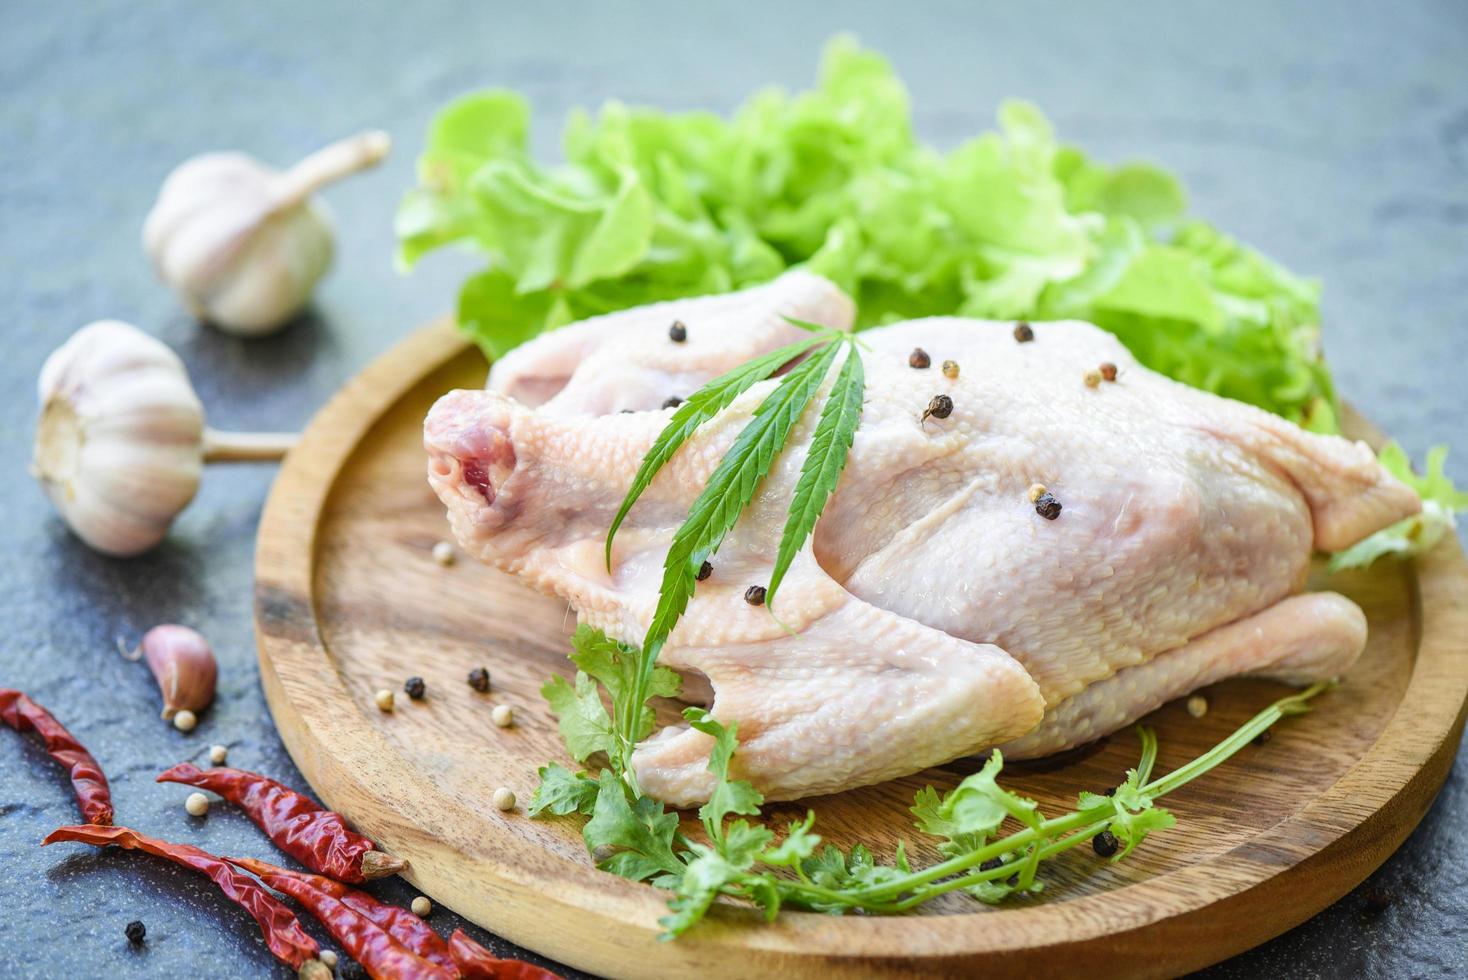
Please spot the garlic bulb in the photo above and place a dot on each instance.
(121, 441)
(244, 244)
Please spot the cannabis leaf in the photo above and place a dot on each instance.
(729, 490)
(823, 464)
(699, 407)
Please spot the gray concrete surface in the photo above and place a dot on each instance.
(1335, 137)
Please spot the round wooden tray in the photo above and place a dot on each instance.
(349, 600)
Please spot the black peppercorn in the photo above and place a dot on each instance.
(135, 932)
(352, 970)
(1105, 844)
(919, 358)
(991, 864)
(678, 333)
(704, 571)
(1264, 736)
(1108, 371)
(1047, 506)
(673, 402)
(1023, 332)
(414, 688)
(755, 595)
(1378, 899)
(479, 679)
(939, 408)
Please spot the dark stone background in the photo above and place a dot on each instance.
(1335, 137)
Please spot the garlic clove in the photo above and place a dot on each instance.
(243, 244)
(184, 666)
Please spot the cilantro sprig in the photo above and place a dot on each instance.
(995, 842)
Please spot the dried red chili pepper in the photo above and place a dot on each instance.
(317, 837)
(400, 923)
(477, 963)
(384, 955)
(87, 779)
(282, 930)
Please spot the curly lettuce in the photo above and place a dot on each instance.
(650, 205)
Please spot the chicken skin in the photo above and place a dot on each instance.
(935, 612)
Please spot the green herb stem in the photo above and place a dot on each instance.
(1293, 705)
(1060, 826)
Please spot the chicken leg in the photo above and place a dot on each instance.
(1298, 640)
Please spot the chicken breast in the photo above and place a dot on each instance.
(936, 612)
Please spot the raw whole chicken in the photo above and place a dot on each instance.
(936, 612)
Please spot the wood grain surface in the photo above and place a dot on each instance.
(349, 600)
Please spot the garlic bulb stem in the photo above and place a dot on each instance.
(328, 164)
(246, 447)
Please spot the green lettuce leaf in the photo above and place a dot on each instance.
(650, 205)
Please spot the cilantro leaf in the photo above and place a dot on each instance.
(640, 833)
(972, 812)
(1131, 825)
(563, 792)
(744, 841)
(1133, 815)
(996, 890)
(851, 871)
(729, 796)
(927, 808)
(978, 805)
(634, 836)
(705, 876)
(799, 844)
(585, 726)
(615, 665)
(824, 461)
(713, 868)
